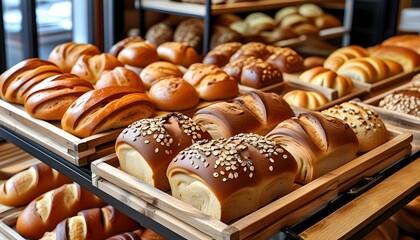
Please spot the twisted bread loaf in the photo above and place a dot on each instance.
(404, 101)
(211, 82)
(46, 211)
(319, 143)
(120, 76)
(104, 109)
(286, 59)
(25, 186)
(93, 223)
(369, 128)
(229, 178)
(66, 55)
(50, 99)
(178, 53)
(146, 147)
(305, 99)
(158, 70)
(407, 58)
(221, 54)
(342, 55)
(255, 111)
(327, 78)
(19, 79)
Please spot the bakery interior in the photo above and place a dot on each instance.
(209, 119)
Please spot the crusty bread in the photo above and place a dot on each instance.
(120, 45)
(286, 59)
(410, 41)
(260, 21)
(369, 128)
(305, 99)
(157, 70)
(283, 12)
(407, 58)
(252, 49)
(146, 147)
(178, 53)
(318, 142)
(221, 54)
(190, 31)
(159, 33)
(104, 109)
(138, 54)
(403, 101)
(341, 55)
(229, 178)
(120, 76)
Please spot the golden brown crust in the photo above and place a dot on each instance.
(120, 76)
(138, 54)
(178, 53)
(252, 49)
(404, 101)
(407, 58)
(286, 59)
(341, 55)
(190, 31)
(305, 99)
(157, 70)
(410, 41)
(221, 54)
(117, 47)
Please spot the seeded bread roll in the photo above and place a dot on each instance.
(305, 99)
(146, 147)
(286, 59)
(407, 58)
(369, 128)
(404, 101)
(157, 70)
(120, 76)
(117, 47)
(229, 178)
(221, 54)
(319, 143)
(178, 53)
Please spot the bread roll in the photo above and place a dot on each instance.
(306, 29)
(49, 99)
(305, 99)
(403, 101)
(313, 61)
(211, 82)
(415, 81)
(318, 142)
(341, 55)
(407, 58)
(260, 21)
(310, 10)
(104, 109)
(173, 94)
(146, 147)
(326, 78)
(222, 35)
(369, 128)
(178, 53)
(49, 209)
(93, 223)
(292, 20)
(327, 21)
(255, 111)
(158, 70)
(229, 178)
(19, 79)
(66, 55)
(120, 76)
(243, 28)
(190, 31)
(221, 54)
(25, 186)
(139, 54)
(117, 47)
(159, 33)
(226, 19)
(286, 59)
(252, 49)
(283, 12)
(410, 41)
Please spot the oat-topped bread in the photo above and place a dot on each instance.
(403, 101)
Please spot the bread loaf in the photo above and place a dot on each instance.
(403, 101)
(178, 53)
(305, 99)
(221, 54)
(255, 111)
(117, 47)
(157, 70)
(138, 54)
(341, 55)
(146, 147)
(66, 55)
(327, 21)
(229, 178)
(277, 34)
(120, 76)
(410, 41)
(104, 109)
(211, 82)
(173, 94)
(19, 79)
(286, 59)
(327, 78)
(310, 10)
(313, 61)
(90, 68)
(283, 12)
(369, 128)
(25, 186)
(407, 58)
(260, 21)
(252, 49)
(159, 33)
(190, 31)
(49, 209)
(93, 223)
(319, 143)
(222, 35)
(49, 99)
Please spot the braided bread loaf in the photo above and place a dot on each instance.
(305, 99)
(342, 55)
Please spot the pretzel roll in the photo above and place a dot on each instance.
(104, 109)
(221, 54)
(327, 78)
(211, 82)
(403, 101)
(50, 99)
(19, 79)
(410, 41)
(117, 47)
(318, 142)
(120, 76)
(229, 178)
(369, 128)
(286, 59)
(341, 55)
(252, 49)
(178, 53)
(66, 55)
(91, 68)
(146, 147)
(138, 54)
(407, 58)
(158, 70)
(305, 99)
(173, 94)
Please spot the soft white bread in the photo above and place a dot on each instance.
(19, 79)
(158, 70)
(178, 53)
(407, 58)
(49, 99)
(93, 223)
(146, 147)
(229, 178)
(221, 54)
(255, 111)
(159, 33)
(369, 128)
(341, 55)
(107, 108)
(318, 142)
(25, 186)
(305, 99)
(49, 209)
(286, 59)
(120, 76)
(327, 78)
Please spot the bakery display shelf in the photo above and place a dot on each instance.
(262, 223)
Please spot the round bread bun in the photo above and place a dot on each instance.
(178, 53)
(138, 54)
(292, 20)
(282, 13)
(410, 41)
(157, 70)
(407, 221)
(120, 76)
(173, 94)
(310, 10)
(117, 47)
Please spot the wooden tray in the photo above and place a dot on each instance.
(7, 232)
(193, 224)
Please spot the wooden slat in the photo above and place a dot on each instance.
(8, 233)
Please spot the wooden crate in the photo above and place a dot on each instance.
(194, 224)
